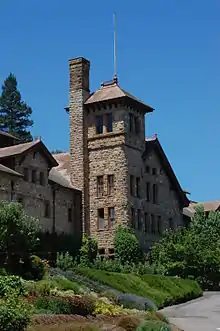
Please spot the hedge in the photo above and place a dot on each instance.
(164, 291)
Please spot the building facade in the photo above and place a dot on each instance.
(124, 178)
(29, 176)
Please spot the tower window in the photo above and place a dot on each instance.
(148, 191)
(111, 216)
(153, 227)
(26, 174)
(100, 186)
(110, 187)
(155, 194)
(109, 122)
(146, 223)
(159, 225)
(131, 121)
(101, 221)
(138, 187)
(99, 124)
(147, 169)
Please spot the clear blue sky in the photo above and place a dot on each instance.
(168, 55)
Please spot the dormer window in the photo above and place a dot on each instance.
(109, 123)
(99, 124)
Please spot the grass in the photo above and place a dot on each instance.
(162, 290)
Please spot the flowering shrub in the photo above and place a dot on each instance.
(102, 308)
(11, 283)
(39, 267)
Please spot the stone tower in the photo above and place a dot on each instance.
(78, 93)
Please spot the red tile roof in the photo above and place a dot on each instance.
(113, 91)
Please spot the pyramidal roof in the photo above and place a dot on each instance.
(111, 91)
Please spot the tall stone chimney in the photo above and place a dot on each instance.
(78, 93)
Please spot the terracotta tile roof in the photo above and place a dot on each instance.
(16, 149)
(112, 91)
(207, 205)
(153, 143)
(9, 171)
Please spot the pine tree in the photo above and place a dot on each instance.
(14, 113)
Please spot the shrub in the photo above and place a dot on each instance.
(66, 285)
(11, 283)
(88, 250)
(102, 308)
(39, 268)
(65, 305)
(64, 261)
(127, 247)
(15, 314)
(153, 326)
(129, 323)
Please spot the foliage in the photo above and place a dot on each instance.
(102, 308)
(66, 285)
(127, 247)
(153, 326)
(14, 113)
(10, 284)
(39, 267)
(192, 252)
(129, 323)
(15, 313)
(116, 266)
(88, 250)
(162, 290)
(18, 232)
(64, 261)
(65, 305)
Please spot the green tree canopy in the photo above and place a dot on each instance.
(192, 252)
(14, 113)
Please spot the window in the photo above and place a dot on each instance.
(20, 200)
(34, 176)
(42, 181)
(70, 213)
(34, 155)
(110, 188)
(111, 216)
(111, 251)
(147, 169)
(133, 218)
(170, 223)
(155, 198)
(99, 124)
(101, 251)
(154, 171)
(109, 122)
(138, 187)
(146, 223)
(131, 185)
(101, 221)
(159, 225)
(131, 120)
(137, 124)
(46, 209)
(26, 174)
(148, 191)
(153, 227)
(100, 186)
(139, 219)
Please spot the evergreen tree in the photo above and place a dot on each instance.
(14, 113)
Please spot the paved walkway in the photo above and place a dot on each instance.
(202, 314)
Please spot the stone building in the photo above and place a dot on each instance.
(124, 177)
(29, 175)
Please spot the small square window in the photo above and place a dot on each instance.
(111, 251)
(34, 176)
(26, 174)
(101, 220)
(101, 251)
(154, 171)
